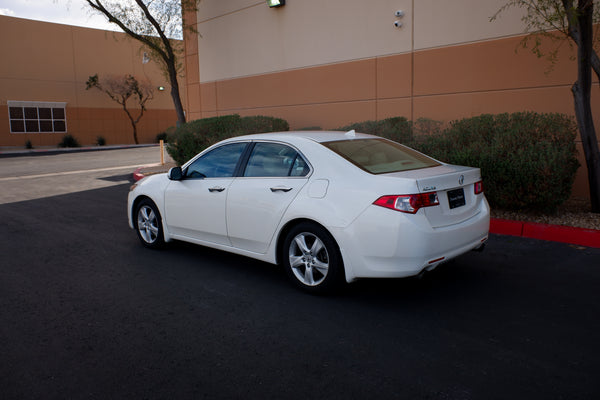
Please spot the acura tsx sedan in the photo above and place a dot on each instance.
(328, 206)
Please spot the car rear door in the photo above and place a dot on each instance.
(257, 200)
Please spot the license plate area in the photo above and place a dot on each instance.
(456, 198)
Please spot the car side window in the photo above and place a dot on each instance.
(275, 160)
(300, 167)
(217, 163)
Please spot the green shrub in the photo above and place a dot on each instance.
(68, 141)
(398, 129)
(192, 137)
(161, 136)
(28, 145)
(426, 126)
(528, 160)
(100, 141)
(262, 124)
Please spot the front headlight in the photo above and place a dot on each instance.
(132, 187)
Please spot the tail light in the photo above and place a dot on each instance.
(478, 187)
(408, 203)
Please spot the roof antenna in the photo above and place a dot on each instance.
(351, 134)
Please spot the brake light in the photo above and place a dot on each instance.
(478, 187)
(408, 203)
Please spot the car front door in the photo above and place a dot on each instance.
(195, 206)
(272, 178)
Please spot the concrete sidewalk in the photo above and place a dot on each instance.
(50, 150)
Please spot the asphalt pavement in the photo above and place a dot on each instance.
(86, 312)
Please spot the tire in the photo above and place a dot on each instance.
(312, 259)
(148, 224)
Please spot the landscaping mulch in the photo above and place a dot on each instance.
(575, 212)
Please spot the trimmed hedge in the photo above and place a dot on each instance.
(192, 137)
(528, 160)
(398, 129)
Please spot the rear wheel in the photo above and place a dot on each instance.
(148, 224)
(312, 259)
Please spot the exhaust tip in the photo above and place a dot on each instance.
(479, 248)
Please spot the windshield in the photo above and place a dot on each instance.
(380, 156)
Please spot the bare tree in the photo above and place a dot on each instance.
(154, 23)
(571, 21)
(121, 89)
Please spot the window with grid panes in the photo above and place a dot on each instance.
(37, 117)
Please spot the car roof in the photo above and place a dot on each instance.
(316, 136)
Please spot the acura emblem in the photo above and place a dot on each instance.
(461, 180)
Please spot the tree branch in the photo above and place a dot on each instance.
(166, 42)
(98, 6)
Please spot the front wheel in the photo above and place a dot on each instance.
(312, 258)
(148, 224)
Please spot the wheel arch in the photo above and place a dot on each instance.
(136, 203)
(134, 206)
(289, 226)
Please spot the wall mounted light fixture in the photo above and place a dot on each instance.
(275, 3)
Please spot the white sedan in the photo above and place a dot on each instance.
(328, 206)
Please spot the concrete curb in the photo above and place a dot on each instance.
(57, 150)
(137, 174)
(531, 230)
(554, 233)
(150, 169)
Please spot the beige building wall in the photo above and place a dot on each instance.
(45, 62)
(329, 63)
(310, 33)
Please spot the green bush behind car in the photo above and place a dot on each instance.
(192, 137)
(528, 160)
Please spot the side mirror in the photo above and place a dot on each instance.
(175, 174)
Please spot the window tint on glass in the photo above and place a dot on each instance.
(16, 112)
(379, 156)
(218, 163)
(31, 125)
(275, 160)
(60, 126)
(31, 113)
(17, 126)
(58, 113)
(300, 167)
(45, 113)
(46, 126)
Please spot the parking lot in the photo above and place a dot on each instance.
(87, 312)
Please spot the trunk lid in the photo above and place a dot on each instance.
(455, 190)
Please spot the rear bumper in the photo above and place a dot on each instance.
(384, 244)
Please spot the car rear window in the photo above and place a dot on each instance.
(380, 156)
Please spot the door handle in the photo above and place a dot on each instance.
(280, 189)
(216, 189)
